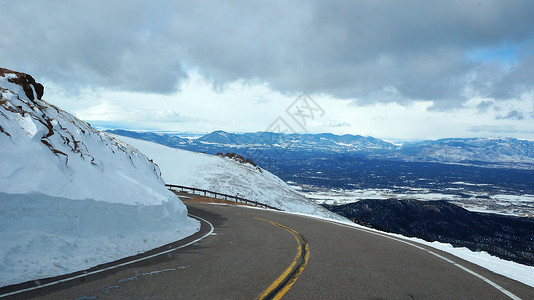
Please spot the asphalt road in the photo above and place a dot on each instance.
(252, 250)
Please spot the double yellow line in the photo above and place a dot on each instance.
(283, 283)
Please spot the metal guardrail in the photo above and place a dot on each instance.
(216, 195)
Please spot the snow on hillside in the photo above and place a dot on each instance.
(70, 196)
(225, 175)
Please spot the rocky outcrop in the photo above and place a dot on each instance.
(26, 82)
(240, 159)
(39, 119)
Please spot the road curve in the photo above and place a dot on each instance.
(247, 253)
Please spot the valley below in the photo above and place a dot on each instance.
(346, 179)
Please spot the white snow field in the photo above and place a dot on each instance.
(70, 196)
(227, 176)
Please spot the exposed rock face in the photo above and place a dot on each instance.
(240, 159)
(59, 131)
(26, 81)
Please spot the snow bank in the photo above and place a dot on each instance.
(70, 196)
(224, 175)
(43, 236)
(510, 269)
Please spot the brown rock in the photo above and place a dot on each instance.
(25, 81)
(39, 89)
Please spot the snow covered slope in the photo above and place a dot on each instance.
(70, 196)
(225, 175)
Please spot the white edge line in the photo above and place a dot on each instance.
(115, 266)
(493, 284)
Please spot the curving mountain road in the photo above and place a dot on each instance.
(255, 253)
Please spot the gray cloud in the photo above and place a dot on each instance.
(505, 82)
(94, 43)
(484, 106)
(511, 115)
(373, 51)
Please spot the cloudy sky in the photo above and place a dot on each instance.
(390, 69)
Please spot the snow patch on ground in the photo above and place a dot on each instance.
(513, 205)
(510, 269)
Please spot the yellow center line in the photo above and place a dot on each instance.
(286, 288)
(286, 280)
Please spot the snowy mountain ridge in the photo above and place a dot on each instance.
(71, 197)
(503, 150)
(500, 152)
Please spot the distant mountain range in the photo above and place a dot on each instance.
(490, 152)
